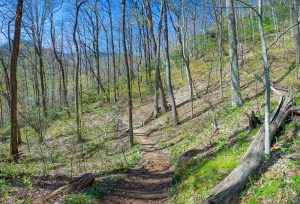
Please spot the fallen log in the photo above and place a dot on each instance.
(228, 190)
(76, 185)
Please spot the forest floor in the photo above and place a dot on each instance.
(151, 172)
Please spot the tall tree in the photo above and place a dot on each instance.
(219, 20)
(267, 78)
(130, 123)
(113, 50)
(236, 99)
(38, 14)
(59, 58)
(295, 16)
(78, 120)
(158, 82)
(180, 30)
(14, 83)
(168, 66)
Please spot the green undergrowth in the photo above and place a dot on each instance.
(281, 181)
(60, 155)
(95, 191)
(195, 179)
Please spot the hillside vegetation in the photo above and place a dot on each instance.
(162, 159)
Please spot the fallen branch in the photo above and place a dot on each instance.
(272, 88)
(77, 185)
(228, 190)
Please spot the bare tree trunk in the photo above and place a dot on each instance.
(236, 99)
(291, 18)
(219, 18)
(145, 55)
(140, 56)
(108, 63)
(1, 114)
(58, 58)
(267, 79)
(96, 41)
(204, 24)
(127, 73)
(168, 67)
(194, 29)
(158, 81)
(14, 83)
(275, 19)
(43, 81)
(113, 51)
(78, 121)
(295, 12)
(180, 33)
(38, 15)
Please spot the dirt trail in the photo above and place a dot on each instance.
(147, 183)
(150, 181)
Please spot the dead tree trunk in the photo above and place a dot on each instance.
(228, 191)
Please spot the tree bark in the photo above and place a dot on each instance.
(113, 51)
(185, 58)
(168, 67)
(236, 99)
(78, 122)
(1, 114)
(295, 12)
(267, 78)
(14, 83)
(127, 73)
(58, 58)
(158, 81)
(219, 20)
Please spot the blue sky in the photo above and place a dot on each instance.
(66, 15)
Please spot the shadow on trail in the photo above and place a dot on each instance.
(140, 185)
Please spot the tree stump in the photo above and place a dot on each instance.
(253, 120)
